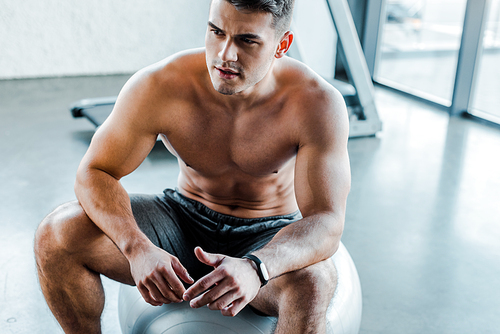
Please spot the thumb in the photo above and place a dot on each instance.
(208, 258)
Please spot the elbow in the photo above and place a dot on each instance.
(81, 178)
(89, 177)
(85, 175)
(334, 228)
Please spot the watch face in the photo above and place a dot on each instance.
(263, 269)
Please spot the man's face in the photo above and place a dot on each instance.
(240, 47)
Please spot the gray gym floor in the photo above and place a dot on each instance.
(423, 220)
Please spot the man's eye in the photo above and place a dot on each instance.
(247, 41)
(216, 32)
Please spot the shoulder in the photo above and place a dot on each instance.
(152, 92)
(171, 79)
(318, 107)
(171, 75)
(309, 89)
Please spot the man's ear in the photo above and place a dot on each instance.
(284, 45)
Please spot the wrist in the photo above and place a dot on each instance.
(259, 267)
(135, 246)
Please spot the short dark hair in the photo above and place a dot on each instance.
(281, 11)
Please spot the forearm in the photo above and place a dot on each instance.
(303, 243)
(108, 205)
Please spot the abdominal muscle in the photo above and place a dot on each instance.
(241, 196)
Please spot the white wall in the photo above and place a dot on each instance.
(316, 36)
(45, 38)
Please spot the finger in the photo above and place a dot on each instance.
(213, 295)
(234, 308)
(167, 294)
(182, 272)
(223, 302)
(208, 258)
(173, 282)
(194, 304)
(202, 285)
(147, 296)
(154, 291)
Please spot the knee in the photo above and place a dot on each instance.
(58, 232)
(314, 285)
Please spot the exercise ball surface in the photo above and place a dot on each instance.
(138, 317)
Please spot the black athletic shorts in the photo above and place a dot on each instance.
(178, 224)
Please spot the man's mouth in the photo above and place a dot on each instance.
(227, 73)
(227, 70)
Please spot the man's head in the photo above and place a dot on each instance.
(243, 39)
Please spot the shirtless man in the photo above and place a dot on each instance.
(258, 137)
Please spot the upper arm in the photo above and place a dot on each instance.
(124, 140)
(322, 171)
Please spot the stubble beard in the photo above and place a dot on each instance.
(225, 90)
(223, 87)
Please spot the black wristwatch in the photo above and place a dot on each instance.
(261, 269)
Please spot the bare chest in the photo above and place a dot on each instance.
(215, 144)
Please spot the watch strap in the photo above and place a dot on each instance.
(261, 268)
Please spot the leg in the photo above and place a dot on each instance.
(71, 253)
(300, 299)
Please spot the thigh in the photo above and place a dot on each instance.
(69, 233)
(73, 232)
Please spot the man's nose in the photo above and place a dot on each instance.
(229, 51)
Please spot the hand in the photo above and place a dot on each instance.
(156, 274)
(229, 287)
